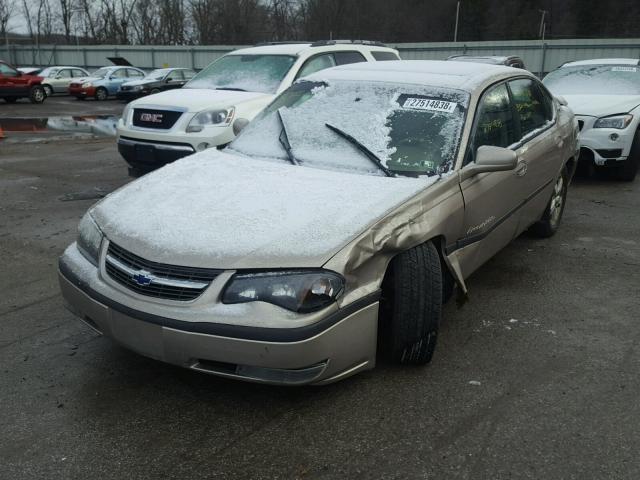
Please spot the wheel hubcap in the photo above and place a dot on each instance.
(557, 200)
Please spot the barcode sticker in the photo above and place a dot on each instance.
(429, 104)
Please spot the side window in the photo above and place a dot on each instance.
(120, 73)
(384, 56)
(495, 124)
(316, 64)
(344, 58)
(176, 76)
(530, 105)
(65, 73)
(79, 73)
(134, 73)
(188, 74)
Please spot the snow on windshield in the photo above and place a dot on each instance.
(412, 129)
(252, 73)
(595, 79)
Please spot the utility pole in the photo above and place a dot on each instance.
(455, 32)
(543, 25)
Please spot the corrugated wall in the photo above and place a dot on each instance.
(538, 56)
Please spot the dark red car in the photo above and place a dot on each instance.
(15, 85)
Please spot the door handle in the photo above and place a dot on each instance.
(521, 169)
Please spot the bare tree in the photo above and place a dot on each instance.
(7, 9)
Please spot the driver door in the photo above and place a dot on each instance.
(491, 199)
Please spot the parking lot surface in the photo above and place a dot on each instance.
(535, 376)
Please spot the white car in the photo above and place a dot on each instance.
(605, 96)
(58, 79)
(212, 108)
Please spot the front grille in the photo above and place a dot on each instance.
(580, 124)
(610, 152)
(161, 119)
(170, 282)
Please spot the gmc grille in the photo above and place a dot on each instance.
(161, 119)
(170, 282)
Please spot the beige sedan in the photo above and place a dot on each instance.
(57, 79)
(332, 229)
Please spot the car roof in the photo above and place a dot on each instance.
(495, 58)
(603, 61)
(64, 66)
(465, 76)
(298, 48)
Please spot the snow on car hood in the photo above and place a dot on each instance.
(197, 99)
(219, 210)
(602, 105)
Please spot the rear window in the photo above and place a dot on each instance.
(344, 58)
(383, 56)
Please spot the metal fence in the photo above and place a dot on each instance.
(540, 57)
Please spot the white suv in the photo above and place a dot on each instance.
(212, 108)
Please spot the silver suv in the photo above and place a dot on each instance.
(339, 221)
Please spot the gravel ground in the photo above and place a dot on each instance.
(534, 377)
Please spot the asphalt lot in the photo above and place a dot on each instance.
(536, 376)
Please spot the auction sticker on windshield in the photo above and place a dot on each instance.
(429, 104)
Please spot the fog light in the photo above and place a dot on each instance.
(614, 137)
(202, 146)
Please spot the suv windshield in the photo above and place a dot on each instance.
(595, 79)
(252, 73)
(410, 130)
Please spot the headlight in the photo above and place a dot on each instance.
(89, 239)
(138, 88)
(220, 117)
(87, 85)
(303, 291)
(617, 121)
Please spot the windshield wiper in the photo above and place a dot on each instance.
(368, 153)
(234, 89)
(284, 141)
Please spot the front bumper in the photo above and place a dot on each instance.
(598, 146)
(341, 344)
(144, 156)
(82, 92)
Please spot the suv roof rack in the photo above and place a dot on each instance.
(264, 44)
(324, 43)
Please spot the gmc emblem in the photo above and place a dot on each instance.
(151, 117)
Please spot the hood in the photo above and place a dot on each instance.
(602, 105)
(218, 210)
(86, 79)
(143, 81)
(197, 99)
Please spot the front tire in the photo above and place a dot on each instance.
(154, 91)
(548, 224)
(411, 306)
(629, 168)
(101, 94)
(37, 94)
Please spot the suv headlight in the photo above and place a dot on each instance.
(298, 291)
(221, 117)
(87, 85)
(616, 121)
(89, 239)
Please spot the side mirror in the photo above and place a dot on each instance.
(490, 159)
(562, 100)
(169, 79)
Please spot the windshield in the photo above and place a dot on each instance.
(100, 73)
(157, 74)
(595, 79)
(360, 127)
(49, 72)
(251, 73)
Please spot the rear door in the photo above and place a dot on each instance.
(539, 147)
(491, 199)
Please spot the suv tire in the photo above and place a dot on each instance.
(101, 94)
(629, 168)
(411, 306)
(37, 94)
(548, 224)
